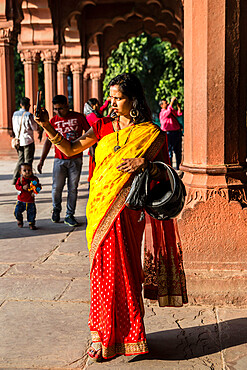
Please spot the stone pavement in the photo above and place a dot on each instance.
(44, 300)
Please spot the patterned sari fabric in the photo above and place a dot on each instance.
(114, 238)
(163, 264)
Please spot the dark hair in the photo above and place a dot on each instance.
(25, 164)
(92, 101)
(161, 101)
(59, 99)
(25, 101)
(131, 86)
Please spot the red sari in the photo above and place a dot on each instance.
(116, 313)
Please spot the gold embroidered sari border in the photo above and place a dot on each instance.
(154, 149)
(95, 336)
(110, 216)
(125, 349)
(170, 301)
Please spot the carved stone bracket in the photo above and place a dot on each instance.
(30, 56)
(237, 193)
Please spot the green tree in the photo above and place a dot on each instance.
(158, 66)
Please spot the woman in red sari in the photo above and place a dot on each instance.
(126, 145)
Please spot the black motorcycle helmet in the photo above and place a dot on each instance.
(166, 199)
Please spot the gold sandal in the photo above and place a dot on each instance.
(95, 351)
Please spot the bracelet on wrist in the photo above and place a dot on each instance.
(62, 139)
(57, 139)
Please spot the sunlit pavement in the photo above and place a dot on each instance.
(44, 299)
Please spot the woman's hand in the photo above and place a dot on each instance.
(131, 165)
(43, 118)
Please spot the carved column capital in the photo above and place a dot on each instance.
(29, 56)
(63, 68)
(7, 40)
(97, 75)
(8, 35)
(86, 75)
(76, 67)
(49, 56)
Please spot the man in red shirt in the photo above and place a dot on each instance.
(71, 125)
(169, 123)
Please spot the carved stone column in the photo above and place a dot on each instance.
(77, 69)
(96, 88)
(30, 59)
(49, 58)
(7, 79)
(213, 225)
(62, 74)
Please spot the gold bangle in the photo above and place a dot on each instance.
(62, 139)
(56, 139)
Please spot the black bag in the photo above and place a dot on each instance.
(164, 201)
(137, 196)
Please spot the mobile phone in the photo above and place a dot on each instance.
(38, 104)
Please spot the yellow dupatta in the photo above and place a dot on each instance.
(107, 180)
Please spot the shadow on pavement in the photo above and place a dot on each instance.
(10, 230)
(40, 176)
(193, 342)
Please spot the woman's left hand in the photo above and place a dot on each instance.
(132, 164)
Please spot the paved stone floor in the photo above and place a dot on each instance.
(44, 300)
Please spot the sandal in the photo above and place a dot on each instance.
(19, 223)
(95, 351)
(32, 227)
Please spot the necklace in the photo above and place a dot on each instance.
(117, 147)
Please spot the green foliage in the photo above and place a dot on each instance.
(19, 79)
(158, 66)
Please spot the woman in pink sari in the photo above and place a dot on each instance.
(127, 144)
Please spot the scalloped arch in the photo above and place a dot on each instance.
(155, 20)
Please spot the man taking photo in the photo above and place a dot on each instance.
(71, 125)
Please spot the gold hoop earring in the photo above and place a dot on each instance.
(134, 113)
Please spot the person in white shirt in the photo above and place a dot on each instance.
(23, 127)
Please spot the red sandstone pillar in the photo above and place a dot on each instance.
(96, 89)
(30, 59)
(49, 58)
(62, 74)
(7, 83)
(213, 223)
(77, 69)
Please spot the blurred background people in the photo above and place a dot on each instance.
(169, 123)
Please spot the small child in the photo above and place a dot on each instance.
(25, 199)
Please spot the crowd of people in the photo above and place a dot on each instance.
(125, 143)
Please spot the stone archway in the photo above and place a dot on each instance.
(103, 26)
(154, 20)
